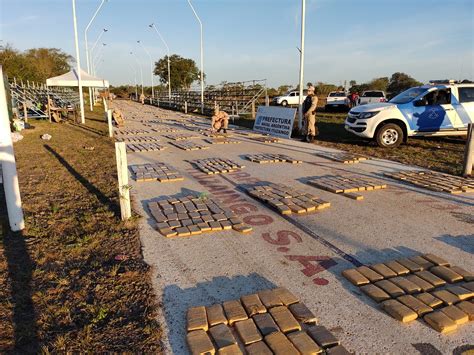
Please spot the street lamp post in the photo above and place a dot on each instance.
(95, 44)
(141, 70)
(168, 51)
(87, 45)
(94, 60)
(202, 58)
(78, 62)
(135, 77)
(300, 106)
(151, 70)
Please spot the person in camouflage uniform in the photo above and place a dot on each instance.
(309, 113)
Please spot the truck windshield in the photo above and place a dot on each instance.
(407, 95)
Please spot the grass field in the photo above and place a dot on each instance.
(75, 279)
(441, 154)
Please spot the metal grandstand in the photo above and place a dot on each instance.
(30, 99)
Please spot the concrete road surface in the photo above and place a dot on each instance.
(304, 253)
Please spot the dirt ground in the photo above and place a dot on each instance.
(75, 279)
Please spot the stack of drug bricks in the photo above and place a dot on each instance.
(271, 158)
(424, 286)
(435, 181)
(125, 132)
(180, 137)
(165, 130)
(158, 171)
(248, 133)
(216, 134)
(269, 322)
(141, 139)
(144, 147)
(184, 145)
(346, 185)
(266, 139)
(286, 200)
(212, 166)
(192, 215)
(343, 157)
(222, 141)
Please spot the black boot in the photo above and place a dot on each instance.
(310, 138)
(225, 131)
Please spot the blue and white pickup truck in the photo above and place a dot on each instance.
(436, 109)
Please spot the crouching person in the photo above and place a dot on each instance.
(220, 121)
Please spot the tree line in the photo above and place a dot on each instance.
(38, 64)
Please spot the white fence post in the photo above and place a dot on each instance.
(7, 159)
(122, 173)
(106, 108)
(109, 122)
(469, 152)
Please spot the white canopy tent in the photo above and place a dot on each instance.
(71, 79)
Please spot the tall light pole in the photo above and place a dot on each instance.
(94, 60)
(151, 70)
(141, 70)
(78, 61)
(135, 77)
(168, 51)
(300, 106)
(202, 57)
(95, 43)
(87, 45)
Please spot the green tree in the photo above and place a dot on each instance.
(37, 64)
(324, 88)
(283, 89)
(183, 71)
(400, 82)
(379, 84)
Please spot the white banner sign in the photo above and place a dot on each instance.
(276, 121)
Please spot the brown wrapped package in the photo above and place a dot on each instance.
(440, 322)
(399, 311)
(199, 343)
(197, 318)
(252, 304)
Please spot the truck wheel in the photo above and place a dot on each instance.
(284, 103)
(389, 136)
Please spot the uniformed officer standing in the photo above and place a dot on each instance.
(220, 120)
(142, 99)
(309, 114)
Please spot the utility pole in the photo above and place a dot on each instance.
(168, 51)
(78, 61)
(202, 57)
(87, 48)
(300, 106)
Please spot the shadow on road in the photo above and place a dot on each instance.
(177, 300)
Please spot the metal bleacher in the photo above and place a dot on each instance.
(31, 99)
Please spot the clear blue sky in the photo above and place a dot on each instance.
(257, 39)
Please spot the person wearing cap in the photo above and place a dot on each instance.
(309, 114)
(220, 121)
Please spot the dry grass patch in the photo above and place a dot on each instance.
(75, 280)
